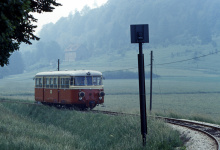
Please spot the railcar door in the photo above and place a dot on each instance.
(46, 89)
(56, 90)
(39, 91)
(51, 90)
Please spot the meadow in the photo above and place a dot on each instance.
(30, 127)
(184, 96)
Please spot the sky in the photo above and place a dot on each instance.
(68, 6)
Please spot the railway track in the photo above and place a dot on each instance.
(112, 113)
(210, 130)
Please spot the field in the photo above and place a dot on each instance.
(186, 96)
(31, 127)
(41, 127)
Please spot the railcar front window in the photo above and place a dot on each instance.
(79, 81)
(89, 80)
(97, 81)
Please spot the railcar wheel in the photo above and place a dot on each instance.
(58, 106)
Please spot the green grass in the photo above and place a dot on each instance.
(30, 127)
(196, 117)
(41, 127)
(195, 96)
(189, 98)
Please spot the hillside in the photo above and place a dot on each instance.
(100, 38)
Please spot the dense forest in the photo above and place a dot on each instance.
(107, 28)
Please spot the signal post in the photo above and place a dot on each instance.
(140, 35)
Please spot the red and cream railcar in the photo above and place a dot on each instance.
(81, 88)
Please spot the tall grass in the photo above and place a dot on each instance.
(195, 117)
(30, 127)
(41, 127)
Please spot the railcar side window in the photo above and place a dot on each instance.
(51, 82)
(47, 82)
(55, 82)
(67, 82)
(72, 81)
(37, 82)
(40, 82)
(64, 82)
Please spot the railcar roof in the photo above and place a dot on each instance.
(70, 73)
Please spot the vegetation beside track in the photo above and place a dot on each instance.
(26, 127)
(195, 117)
(41, 127)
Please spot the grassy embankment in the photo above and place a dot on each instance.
(41, 127)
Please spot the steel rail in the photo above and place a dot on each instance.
(113, 113)
(191, 125)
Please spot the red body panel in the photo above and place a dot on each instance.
(39, 94)
(68, 96)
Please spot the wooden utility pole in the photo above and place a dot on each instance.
(151, 78)
(58, 65)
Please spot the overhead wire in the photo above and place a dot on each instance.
(179, 61)
(160, 64)
(188, 59)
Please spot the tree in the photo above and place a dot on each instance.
(16, 24)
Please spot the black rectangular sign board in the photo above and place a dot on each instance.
(139, 33)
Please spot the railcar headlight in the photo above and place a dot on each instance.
(81, 94)
(100, 98)
(101, 94)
